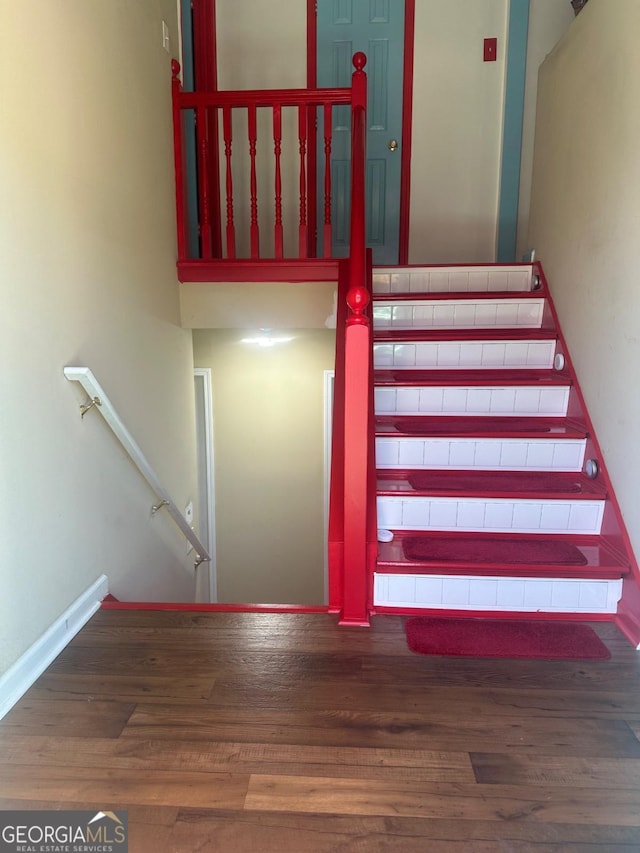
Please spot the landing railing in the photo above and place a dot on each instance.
(241, 137)
(352, 543)
(97, 399)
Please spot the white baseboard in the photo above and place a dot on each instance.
(19, 677)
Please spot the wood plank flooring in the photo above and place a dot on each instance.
(283, 733)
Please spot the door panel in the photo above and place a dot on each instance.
(377, 28)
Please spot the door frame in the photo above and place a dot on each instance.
(407, 109)
(204, 373)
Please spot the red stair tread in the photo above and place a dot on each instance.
(597, 562)
(458, 295)
(500, 424)
(387, 335)
(493, 483)
(472, 376)
(479, 425)
(531, 551)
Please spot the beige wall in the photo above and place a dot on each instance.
(584, 222)
(548, 21)
(269, 476)
(239, 305)
(457, 131)
(87, 240)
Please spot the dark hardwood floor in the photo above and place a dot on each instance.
(259, 733)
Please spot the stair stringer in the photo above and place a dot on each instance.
(614, 537)
(614, 531)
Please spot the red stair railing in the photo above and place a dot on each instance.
(242, 209)
(352, 512)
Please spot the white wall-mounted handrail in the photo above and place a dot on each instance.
(99, 400)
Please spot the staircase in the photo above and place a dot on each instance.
(489, 479)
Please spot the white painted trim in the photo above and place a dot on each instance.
(329, 379)
(85, 377)
(205, 374)
(497, 593)
(18, 678)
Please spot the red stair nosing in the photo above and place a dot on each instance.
(475, 426)
(458, 295)
(211, 608)
(554, 485)
(386, 335)
(600, 565)
(514, 377)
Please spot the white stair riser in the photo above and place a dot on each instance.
(495, 515)
(529, 595)
(461, 279)
(452, 355)
(472, 400)
(486, 454)
(459, 314)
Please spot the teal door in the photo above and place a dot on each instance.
(375, 27)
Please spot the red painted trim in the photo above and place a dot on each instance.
(205, 60)
(497, 614)
(629, 606)
(466, 296)
(628, 616)
(211, 608)
(407, 125)
(294, 270)
(265, 98)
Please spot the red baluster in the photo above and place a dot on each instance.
(326, 234)
(203, 184)
(302, 142)
(312, 181)
(277, 147)
(228, 141)
(253, 140)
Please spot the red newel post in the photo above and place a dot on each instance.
(357, 433)
(178, 155)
